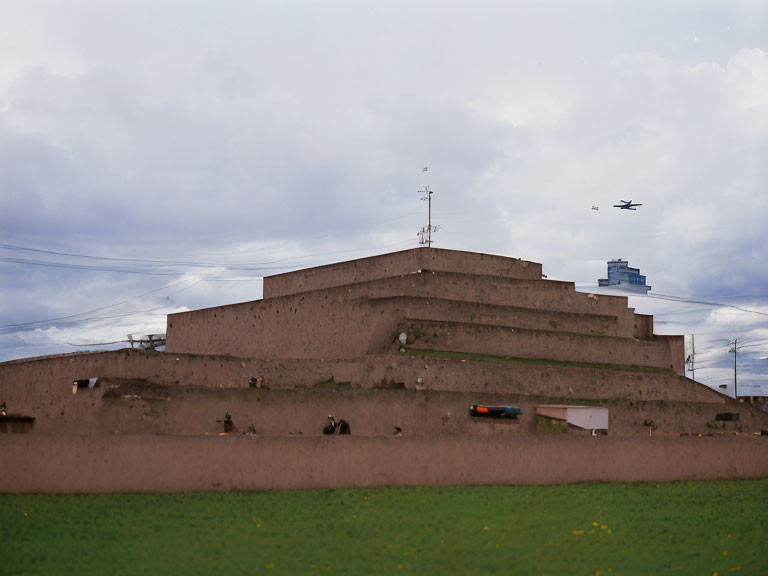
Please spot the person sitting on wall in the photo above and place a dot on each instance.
(2, 409)
(257, 382)
(331, 428)
(343, 427)
(228, 424)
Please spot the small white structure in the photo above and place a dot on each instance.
(589, 417)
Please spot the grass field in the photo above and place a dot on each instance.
(678, 528)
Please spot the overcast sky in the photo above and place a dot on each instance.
(164, 156)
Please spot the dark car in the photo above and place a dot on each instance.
(494, 411)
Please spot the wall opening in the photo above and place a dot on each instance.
(84, 383)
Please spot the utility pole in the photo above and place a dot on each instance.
(692, 358)
(425, 234)
(735, 351)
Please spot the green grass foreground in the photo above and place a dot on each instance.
(676, 528)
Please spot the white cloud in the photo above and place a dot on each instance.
(259, 132)
(747, 79)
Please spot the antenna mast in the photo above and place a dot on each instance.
(425, 234)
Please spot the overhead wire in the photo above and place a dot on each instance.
(67, 320)
(150, 261)
(126, 270)
(703, 302)
(154, 264)
(5, 329)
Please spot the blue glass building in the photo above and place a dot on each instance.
(621, 276)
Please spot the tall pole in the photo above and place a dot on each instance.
(425, 234)
(429, 217)
(735, 351)
(693, 357)
(690, 358)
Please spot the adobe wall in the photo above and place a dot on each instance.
(28, 376)
(396, 264)
(643, 326)
(130, 407)
(676, 345)
(43, 388)
(548, 295)
(566, 384)
(37, 464)
(523, 343)
(315, 326)
(422, 396)
(492, 314)
(540, 295)
(340, 322)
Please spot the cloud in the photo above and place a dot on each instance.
(293, 134)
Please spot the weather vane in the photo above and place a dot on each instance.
(425, 234)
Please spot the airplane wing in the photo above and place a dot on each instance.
(626, 205)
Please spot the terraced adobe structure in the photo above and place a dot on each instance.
(399, 345)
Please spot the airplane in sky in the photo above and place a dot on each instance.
(626, 205)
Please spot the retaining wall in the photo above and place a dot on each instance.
(136, 407)
(357, 319)
(440, 309)
(396, 264)
(421, 396)
(36, 383)
(173, 464)
(543, 344)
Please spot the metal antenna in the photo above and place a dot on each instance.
(425, 234)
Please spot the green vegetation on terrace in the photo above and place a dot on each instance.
(676, 528)
(331, 383)
(443, 355)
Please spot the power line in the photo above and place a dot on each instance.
(703, 302)
(25, 325)
(141, 260)
(683, 300)
(125, 270)
(10, 328)
(68, 320)
(153, 262)
(258, 266)
(83, 267)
